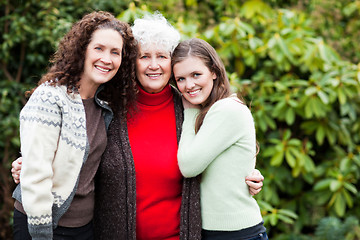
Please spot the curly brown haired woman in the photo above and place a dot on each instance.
(63, 128)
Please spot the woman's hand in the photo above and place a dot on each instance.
(255, 182)
(16, 169)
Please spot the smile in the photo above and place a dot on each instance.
(102, 69)
(154, 75)
(194, 92)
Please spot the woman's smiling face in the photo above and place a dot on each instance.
(153, 68)
(194, 79)
(102, 58)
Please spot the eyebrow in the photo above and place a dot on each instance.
(102, 45)
(157, 53)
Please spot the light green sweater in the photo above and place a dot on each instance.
(224, 152)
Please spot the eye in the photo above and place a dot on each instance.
(179, 79)
(197, 75)
(143, 57)
(115, 52)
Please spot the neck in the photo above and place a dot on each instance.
(87, 91)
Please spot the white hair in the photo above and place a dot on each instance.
(155, 30)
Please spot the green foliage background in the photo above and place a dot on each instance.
(295, 62)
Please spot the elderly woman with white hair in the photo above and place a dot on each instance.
(140, 192)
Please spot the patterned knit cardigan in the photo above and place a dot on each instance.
(54, 147)
(115, 204)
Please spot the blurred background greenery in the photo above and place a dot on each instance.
(295, 62)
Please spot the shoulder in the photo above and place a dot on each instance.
(232, 109)
(230, 105)
(54, 95)
(47, 90)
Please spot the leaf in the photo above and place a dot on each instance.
(252, 43)
(252, 7)
(320, 135)
(310, 91)
(350, 187)
(348, 198)
(277, 159)
(285, 219)
(227, 29)
(283, 47)
(273, 219)
(323, 198)
(290, 159)
(308, 109)
(341, 96)
(309, 164)
(335, 185)
(324, 98)
(289, 213)
(265, 206)
(318, 107)
(296, 172)
(287, 134)
(322, 50)
(331, 136)
(270, 122)
(279, 109)
(340, 205)
(290, 116)
(323, 184)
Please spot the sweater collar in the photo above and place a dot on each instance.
(153, 99)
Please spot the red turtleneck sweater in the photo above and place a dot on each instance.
(152, 135)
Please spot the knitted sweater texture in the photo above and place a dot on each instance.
(115, 204)
(224, 152)
(153, 141)
(54, 147)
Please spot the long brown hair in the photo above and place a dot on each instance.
(68, 61)
(201, 49)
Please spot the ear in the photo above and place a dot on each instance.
(214, 77)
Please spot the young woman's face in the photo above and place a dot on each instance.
(153, 69)
(102, 58)
(194, 79)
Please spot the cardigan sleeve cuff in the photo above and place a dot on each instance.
(41, 231)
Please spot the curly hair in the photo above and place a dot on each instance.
(68, 61)
(155, 29)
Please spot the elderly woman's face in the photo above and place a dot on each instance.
(153, 68)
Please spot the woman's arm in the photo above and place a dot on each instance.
(40, 124)
(226, 122)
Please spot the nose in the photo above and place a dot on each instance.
(153, 65)
(105, 58)
(189, 84)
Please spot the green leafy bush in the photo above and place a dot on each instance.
(295, 68)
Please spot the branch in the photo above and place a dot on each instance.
(7, 11)
(6, 72)
(21, 65)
